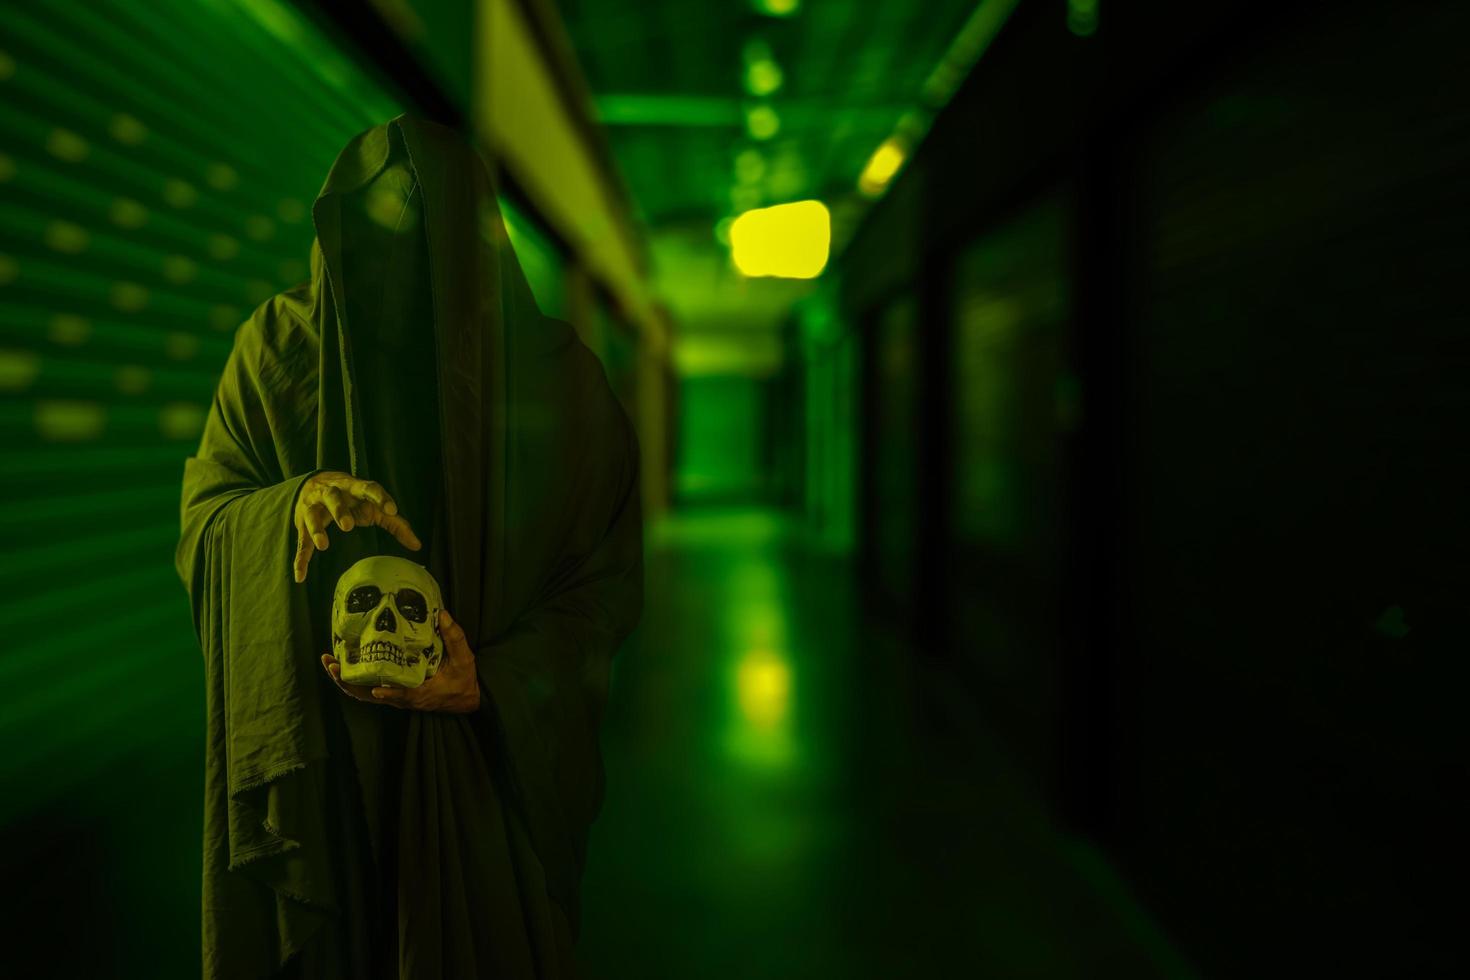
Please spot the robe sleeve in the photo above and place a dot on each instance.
(238, 453)
(266, 887)
(544, 682)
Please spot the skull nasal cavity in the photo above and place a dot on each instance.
(386, 622)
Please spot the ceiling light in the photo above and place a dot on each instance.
(761, 122)
(750, 166)
(763, 77)
(777, 8)
(882, 166)
(788, 240)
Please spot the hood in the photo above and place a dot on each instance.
(407, 220)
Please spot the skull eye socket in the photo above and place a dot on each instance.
(413, 606)
(363, 598)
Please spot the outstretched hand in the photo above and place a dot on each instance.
(454, 688)
(348, 501)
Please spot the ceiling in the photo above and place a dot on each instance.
(674, 83)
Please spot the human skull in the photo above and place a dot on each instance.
(385, 623)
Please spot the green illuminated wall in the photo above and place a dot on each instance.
(831, 392)
(720, 451)
(539, 257)
(439, 34)
(157, 166)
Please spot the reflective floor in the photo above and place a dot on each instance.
(773, 809)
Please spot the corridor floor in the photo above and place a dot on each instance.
(773, 811)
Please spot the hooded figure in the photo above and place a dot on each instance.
(348, 839)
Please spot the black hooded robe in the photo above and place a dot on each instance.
(344, 839)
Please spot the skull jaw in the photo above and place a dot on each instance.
(383, 674)
(359, 668)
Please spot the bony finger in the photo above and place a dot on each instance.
(303, 551)
(316, 521)
(400, 529)
(372, 490)
(385, 500)
(304, 548)
(365, 513)
(341, 511)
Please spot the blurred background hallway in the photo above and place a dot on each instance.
(1052, 418)
(779, 811)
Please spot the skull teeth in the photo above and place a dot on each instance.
(381, 650)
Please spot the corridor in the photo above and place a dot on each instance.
(1049, 426)
(773, 808)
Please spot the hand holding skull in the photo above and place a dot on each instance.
(454, 687)
(341, 498)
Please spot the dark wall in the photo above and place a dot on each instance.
(1298, 429)
(1012, 411)
(1228, 596)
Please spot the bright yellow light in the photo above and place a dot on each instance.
(882, 165)
(763, 685)
(788, 240)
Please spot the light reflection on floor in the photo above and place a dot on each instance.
(773, 811)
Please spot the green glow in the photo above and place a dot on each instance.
(67, 145)
(760, 676)
(127, 129)
(761, 729)
(539, 259)
(763, 682)
(763, 78)
(776, 8)
(700, 355)
(18, 368)
(750, 166)
(222, 176)
(179, 193)
(181, 420)
(128, 213)
(69, 330)
(129, 296)
(67, 421)
(65, 237)
(132, 379)
(1082, 17)
(138, 224)
(718, 453)
(179, 269)
(761, 122)
(632, 109)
